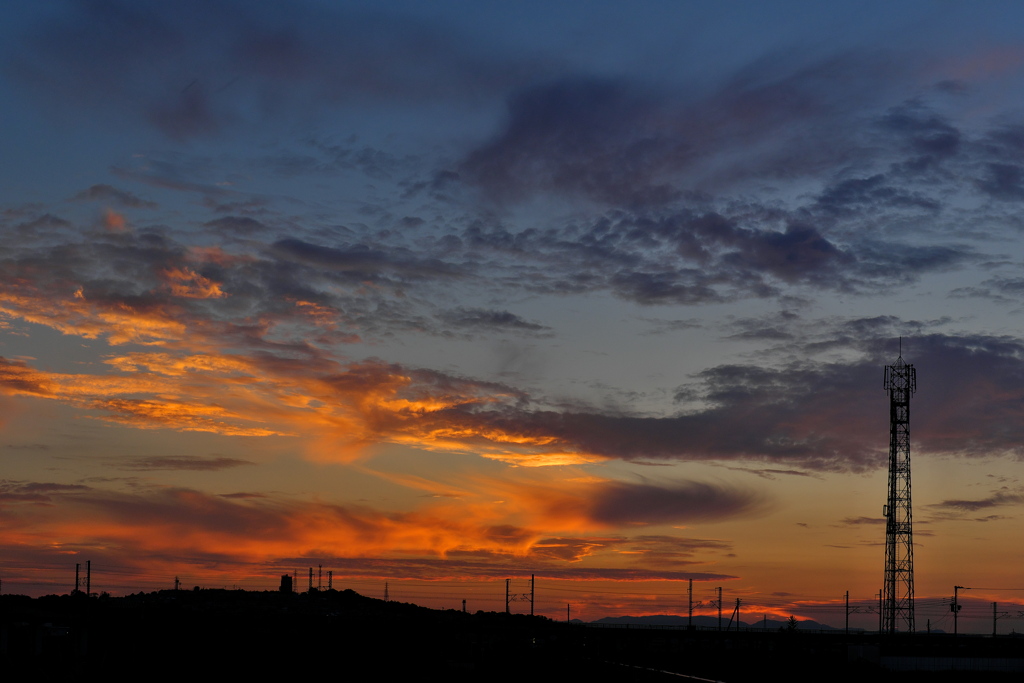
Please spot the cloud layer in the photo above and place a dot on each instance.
(483, 279)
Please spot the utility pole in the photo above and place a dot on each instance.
(330, 579)
(879, 611)
(719, 608)
(310, 579)
(955, 607)
(385, 591)
(511, 597)
(88, 577)
(735, 616)
(567, 620)
(533, 584)
(78, 583)
(898, 602)
(689, 596)
(847, 612)
(995, 616)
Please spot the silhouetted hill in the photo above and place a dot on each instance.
(344, 634)
(271, 633)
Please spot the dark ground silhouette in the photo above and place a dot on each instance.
(235, 632)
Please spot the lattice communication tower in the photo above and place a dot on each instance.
(898, 595)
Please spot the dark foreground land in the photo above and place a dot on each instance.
(237, 633)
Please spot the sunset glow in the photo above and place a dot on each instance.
(438, 296)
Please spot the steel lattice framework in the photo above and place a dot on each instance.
(898, 596)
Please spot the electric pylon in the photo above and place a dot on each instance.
(898, 598)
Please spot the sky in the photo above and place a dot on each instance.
(435, 295)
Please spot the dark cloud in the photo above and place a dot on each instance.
(188, 508)
(43, 225)
(803, 414)
(771, 472)
(240, 225)
(207, 66)
(872, 193)
(108, 193)
(997, 499)
(927, 136)
(621, 503)
(1000, 289)
(792, 255)
(1007, 286)
(1003, 181)
(859, 521)
(457, 567)
(903, 263)
(480, 318)
(598, 138)
(184, 462)
(627, 143)
(365, 262)
(820, 417)
(36, 492)
(664, 287)
(689, 257)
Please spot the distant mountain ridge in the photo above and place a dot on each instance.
(711, 622)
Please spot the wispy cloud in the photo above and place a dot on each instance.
(184, 462)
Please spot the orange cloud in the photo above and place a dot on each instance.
(118, 322)
(262, 529)
(250, 537)
(354, 406)
(189, 284)
(114, 221)
(322, 316)
(342, 408)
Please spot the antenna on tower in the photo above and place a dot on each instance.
(898, 594)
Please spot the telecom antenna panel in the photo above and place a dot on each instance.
(898, 596)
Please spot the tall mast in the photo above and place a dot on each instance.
(898, 595)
